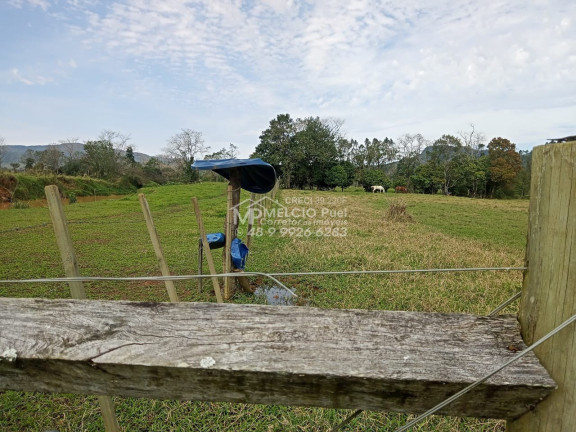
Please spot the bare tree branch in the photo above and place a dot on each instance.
(184, 148)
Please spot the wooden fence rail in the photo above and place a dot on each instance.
(373, 360)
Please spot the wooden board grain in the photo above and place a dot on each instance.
(374, 360)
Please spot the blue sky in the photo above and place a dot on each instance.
(147, 68)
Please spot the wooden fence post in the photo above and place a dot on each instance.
(76, 288)
(250, 220)
(549, 291)
(170, 288)
(234, 187)
(207, 250)
(229, 233)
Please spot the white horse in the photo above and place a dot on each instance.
(378, 189)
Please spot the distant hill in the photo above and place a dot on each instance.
(14, 153)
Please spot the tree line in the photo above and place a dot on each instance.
(111, 157)
(313, 153)
(309, 153)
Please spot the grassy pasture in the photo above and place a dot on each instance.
(111, 239)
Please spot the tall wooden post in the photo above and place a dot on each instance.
(549, 291)
(77, 291)
(250, 220)
(234, 189)
(228, 281)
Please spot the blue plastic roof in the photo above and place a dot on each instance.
(255, 175)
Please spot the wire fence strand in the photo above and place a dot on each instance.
(269, 275)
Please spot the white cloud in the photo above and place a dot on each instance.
(35, 80)
(337, 48)
(380, 65)
(43, 4)
(67, 64)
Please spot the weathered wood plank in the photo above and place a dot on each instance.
(374, 360)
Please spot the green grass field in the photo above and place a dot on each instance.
(111, 239)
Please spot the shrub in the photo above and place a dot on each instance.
(20, 205)
(129, 181)
(26, 187)
(397, 212)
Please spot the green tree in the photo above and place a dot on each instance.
(344, 148)
(374, 177)
(338, 176)
(525, 176)
(224, 153)
(470, 174)
(350, 170)
(378, 152)
(277, 147)
(505, 164)
(410, 149)
(428, 178)
(51, 158)
(302, 150)
(74, 166)
(130, 156)
(444, 149)
(100, 159)
(315, 151)
(373, 153)
(73, 163)
(406, 168)
(358, 155)
(28, 159)
(104, 157)
(154, 170)
(183, 149)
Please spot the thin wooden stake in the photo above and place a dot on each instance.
(250, 220)
(77, 291)
(228, 281)
(200, 260)
(274, 191)
(207, 250)
(170, 288)
(108, 414)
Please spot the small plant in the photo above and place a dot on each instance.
(72, 198)
(397, 212)
(20, 204)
